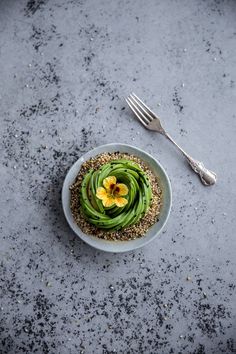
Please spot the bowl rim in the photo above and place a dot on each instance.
(65, 194)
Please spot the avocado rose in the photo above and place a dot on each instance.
(115, 196)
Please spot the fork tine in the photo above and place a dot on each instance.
(144, 105)
(140, 110)
(136, 113)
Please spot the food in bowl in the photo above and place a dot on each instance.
(115, 196)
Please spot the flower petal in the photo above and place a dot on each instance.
(121, 189)
(101, 193)
(120, 202)
(108, 182)
(108, 201)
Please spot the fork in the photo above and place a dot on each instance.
(152, 122)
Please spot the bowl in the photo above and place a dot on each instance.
(154, 230)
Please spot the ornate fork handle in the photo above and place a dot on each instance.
(207, 177)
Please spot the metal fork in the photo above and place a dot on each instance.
(151, 121)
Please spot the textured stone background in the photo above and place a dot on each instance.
(65, 69)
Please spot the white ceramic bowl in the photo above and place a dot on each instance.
(119, 246)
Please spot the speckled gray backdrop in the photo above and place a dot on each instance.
(65, 69)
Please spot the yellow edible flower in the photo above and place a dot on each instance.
(112, 193)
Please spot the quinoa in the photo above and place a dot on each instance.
(131, 232)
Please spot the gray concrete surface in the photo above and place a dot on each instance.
(65, 68)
